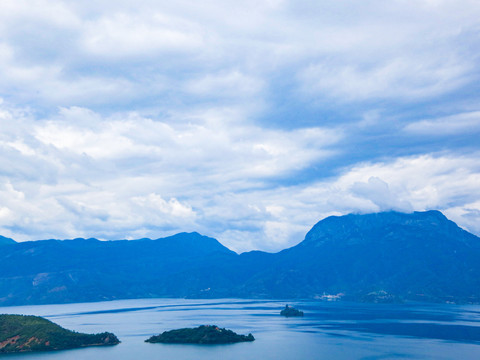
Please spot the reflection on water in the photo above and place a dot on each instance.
(327, 331)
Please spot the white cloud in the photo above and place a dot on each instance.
(400, 78)
(226, 149)
(232, 84)
(378, 192)
(447, 126)
(125, 34)
(18, 13)
(82, 174)
(101, 54)
(417, 183)
(156, 203)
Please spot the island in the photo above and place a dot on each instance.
(25, 333)
(205, 334)
(290, 311)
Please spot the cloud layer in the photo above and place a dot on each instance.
(245, 121)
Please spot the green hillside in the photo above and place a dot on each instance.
(21, 333)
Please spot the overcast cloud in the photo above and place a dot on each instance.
(248, 122)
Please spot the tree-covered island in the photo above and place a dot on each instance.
(290, 311)
(205, 334)
(24, 333)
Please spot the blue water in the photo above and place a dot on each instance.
(329, 330)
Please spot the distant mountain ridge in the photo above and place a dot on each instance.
(378, 257)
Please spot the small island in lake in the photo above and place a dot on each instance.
(205, 334)
(290, 311)
(24, 333)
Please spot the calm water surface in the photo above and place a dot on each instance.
(335, 330)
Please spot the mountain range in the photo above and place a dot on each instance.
(379, 257)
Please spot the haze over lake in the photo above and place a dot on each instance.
(329, 330)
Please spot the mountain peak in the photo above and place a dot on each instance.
(366, 225)
(6, 241)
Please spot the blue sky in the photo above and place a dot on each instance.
(245, 121)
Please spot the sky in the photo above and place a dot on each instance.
(245, 121)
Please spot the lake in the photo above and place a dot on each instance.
(329, 330)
